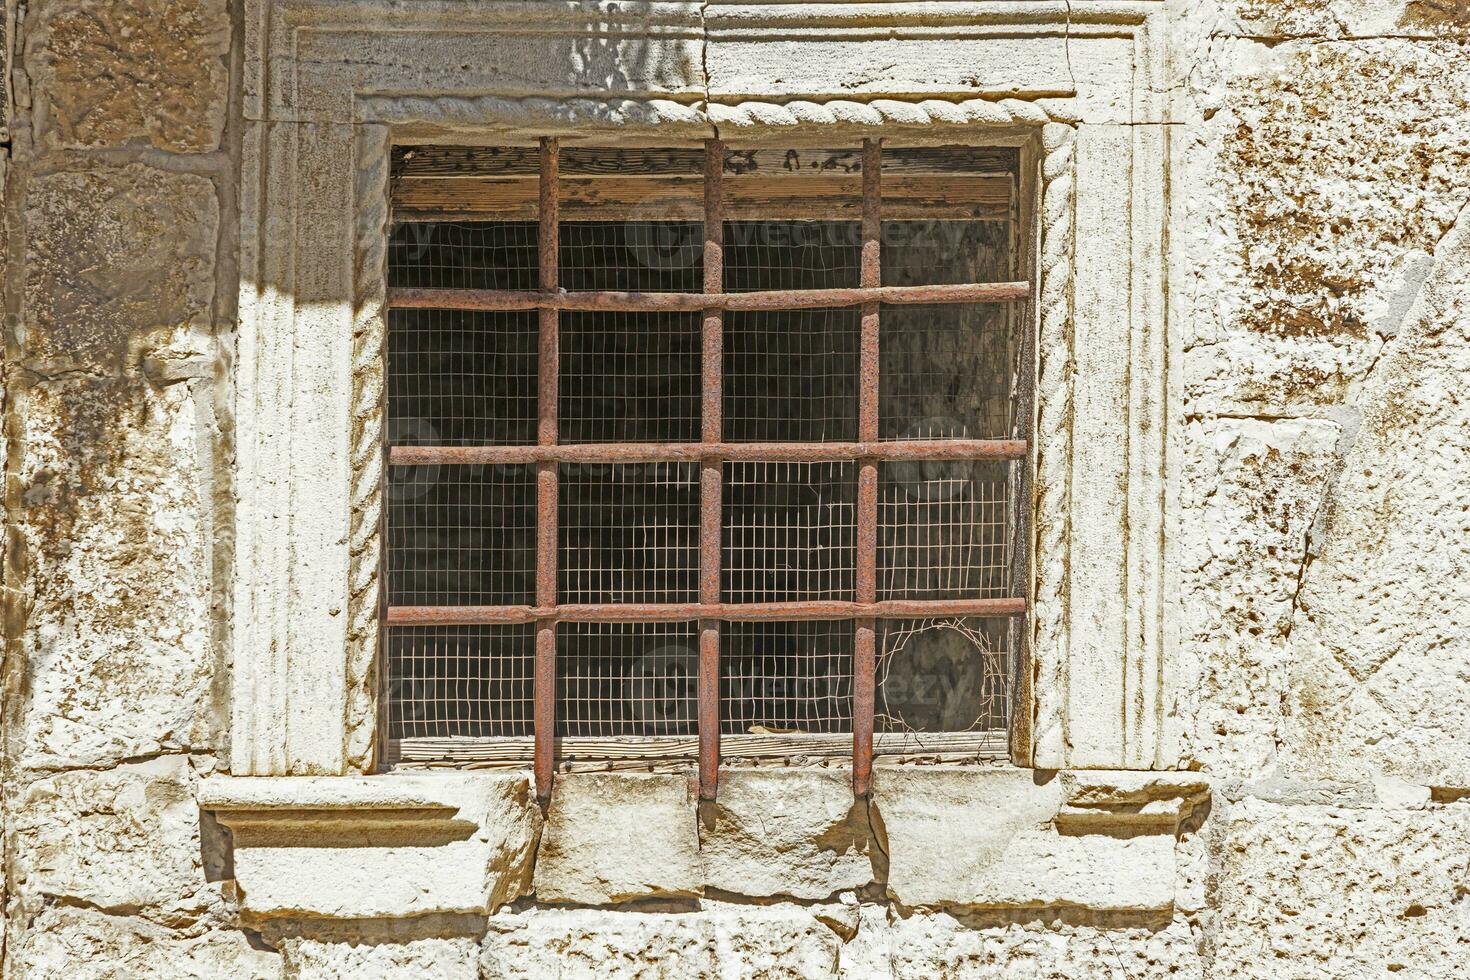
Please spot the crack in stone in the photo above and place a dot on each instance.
(1350, 418)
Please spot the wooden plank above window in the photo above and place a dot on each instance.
(499, 184)
(424, 162)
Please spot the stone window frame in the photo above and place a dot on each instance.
(330, 87)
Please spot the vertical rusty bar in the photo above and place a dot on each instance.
(710, 474)
(870, 276)
(864, 667)
(548, 379)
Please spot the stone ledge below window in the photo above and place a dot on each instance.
(377, 846)
(400, 845)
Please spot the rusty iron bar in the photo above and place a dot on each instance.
(864, 655)
(710, 473)
(548, 378)
(495, 300)
(680, 452)
(678, 612)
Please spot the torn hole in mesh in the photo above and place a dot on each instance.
(942, 675)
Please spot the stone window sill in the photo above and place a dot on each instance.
(398, 845)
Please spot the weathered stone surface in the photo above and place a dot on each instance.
(1341, 18)
(945, 828)
(1319, 525)
(1242, 564)
(611, 837)
(1324, 891)
(719, 941)
(1380, 684)
(382, 957)
(90, 945)
(108, 72)
(401, 845)
(939, 945)
(125, 840)
(995, 838)
(117, 258)
(787, 833)
(115, 444)
(117, 621)
(1325, 225)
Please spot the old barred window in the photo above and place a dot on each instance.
(704, 451)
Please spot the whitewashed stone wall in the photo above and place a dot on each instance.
(1320, 821)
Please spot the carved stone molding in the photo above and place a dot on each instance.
(332, 85)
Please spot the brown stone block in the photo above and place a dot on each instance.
(114, 72)
(115, 254)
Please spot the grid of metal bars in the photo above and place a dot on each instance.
(609, 615)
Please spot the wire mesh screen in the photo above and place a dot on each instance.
(629, 533)
(627, 678)
(791, 377)
(946, 370)
(463, 254)
(468, 681)
(786, 677)
(630, 377)
(461, 378)
(944, 675)
(789, 531)
(632, 255)
(943, 530)
(461, 535)
(791, 255)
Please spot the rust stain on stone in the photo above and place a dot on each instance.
(1346, 157)
(1448, 18)
(112, 73)
(120, 265)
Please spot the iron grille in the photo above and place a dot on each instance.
(702, 496)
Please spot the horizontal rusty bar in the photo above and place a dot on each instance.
(490, 300)
(693, 452)
(688, 611)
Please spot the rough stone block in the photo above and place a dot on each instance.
(125, 840)
(117, 258)
(382, 956)
(892, 947)
(111, 72)
(611, 837)
(1241, 558)
(83, 944)
(787, 833)
(1378, 681)
(1004, 838)
(723, 941)
(945, 828)
(1333, 18)
(114, 525)
(1313, 238)
(377, 846)
(587, 943)
(1328, 891)
(114, 522)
